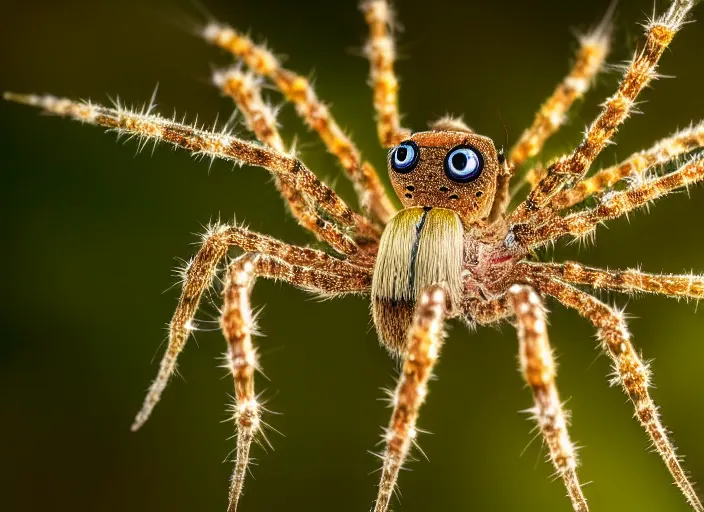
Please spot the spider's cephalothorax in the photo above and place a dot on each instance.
(447, 181)
(455, 251)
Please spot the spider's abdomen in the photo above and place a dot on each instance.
(419, 247)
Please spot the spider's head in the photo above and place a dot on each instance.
(449, 169)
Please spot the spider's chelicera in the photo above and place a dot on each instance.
(455, 249)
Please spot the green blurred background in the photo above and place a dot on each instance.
(90, 232)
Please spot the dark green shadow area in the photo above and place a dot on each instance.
(90, 232)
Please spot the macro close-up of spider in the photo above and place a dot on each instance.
(469, 236)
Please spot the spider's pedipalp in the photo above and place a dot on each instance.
(594, 47)
(616, 109)
(627, 281)
(631, 372)
(616, 204)
(199, 276)
(636, 165)
(538, 369)
(261, 120)
(208, 143)
(381, 53)
(298, 91)
(425, 338)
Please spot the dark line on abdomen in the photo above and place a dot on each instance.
(414, 251)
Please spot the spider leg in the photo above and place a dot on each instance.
(425, 338)
(616, 204)
(237, 325)
(640, 72)
(148, 126)
(631, 373)
(589, 60)
(634, 166)
(198, 277)
(538, 368)
(261, 120)
(298, 90)
(380, 51)
(626, 281)
(482, 312)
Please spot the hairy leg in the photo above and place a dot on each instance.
(640, 72)
(237, 325)
(244, 89)
(482, 312)
(634, 166)
(425, 338)
(237, 322)
(627, 281)
(213, 144)
(198, 277)
(538, 368)
(592, 52)
(298, 90)
(380, 51)
(551, 227)
(631, 373)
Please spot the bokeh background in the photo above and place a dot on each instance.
(90, 232)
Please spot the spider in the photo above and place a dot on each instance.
(455, 250)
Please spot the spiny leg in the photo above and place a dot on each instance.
(213, 144)
(236, 322)
(627, 281)
(632, 373)
(298, 90)
(640, 72)
(380, 51)
(198, 276)
(424, 341)
(237, 325)
(538, 368)
(614, 205)
(261, 120)
(592, 52)
(594, 47)
(634, 166)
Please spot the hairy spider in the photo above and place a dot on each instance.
(455, 250)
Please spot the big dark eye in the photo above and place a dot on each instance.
(404, 157)
(463, 164)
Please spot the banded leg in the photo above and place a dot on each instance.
(261, 120)
(298, 91)
(198, 276)
(640, 72)
(612, 206)
(634, 166)
(237, 325)
(632, 374)
(153, 127)
(626, 281)
(593, 49)
(380, 51)
(425, 338)
(538, 368)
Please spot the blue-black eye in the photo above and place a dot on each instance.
(464, 164)
(404, 157)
